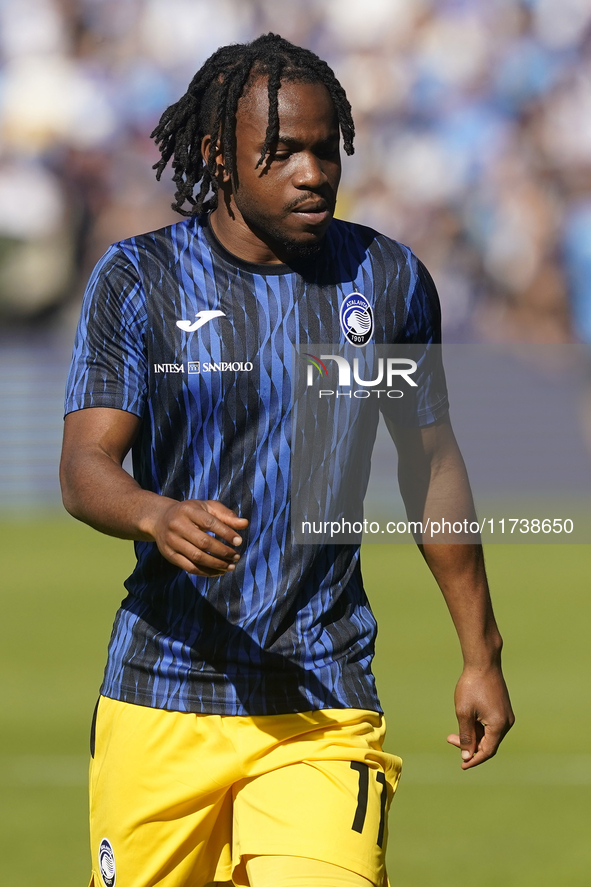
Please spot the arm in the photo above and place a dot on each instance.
(98, 491)
(434, 483)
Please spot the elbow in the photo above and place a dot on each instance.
(68, 488)
(68, 500)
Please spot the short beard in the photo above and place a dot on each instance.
(295, 250)
(276, 238)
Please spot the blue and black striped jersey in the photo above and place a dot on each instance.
(198, 344)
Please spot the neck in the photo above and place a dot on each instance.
(240, 239)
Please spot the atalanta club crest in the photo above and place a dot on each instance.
(106, 859)
(357, 319)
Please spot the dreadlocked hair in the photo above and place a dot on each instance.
(209, 108)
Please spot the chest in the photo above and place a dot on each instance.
(212, 333)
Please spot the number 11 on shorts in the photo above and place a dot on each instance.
(363, 796)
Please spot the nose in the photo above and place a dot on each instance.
(309, 172)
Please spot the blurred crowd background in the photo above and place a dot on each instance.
(473, 141)
(473, 147)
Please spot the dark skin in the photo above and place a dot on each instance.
(286, 204)
(271, 214)
(431, 473)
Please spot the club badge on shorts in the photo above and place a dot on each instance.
(106, 860)
(357, 319)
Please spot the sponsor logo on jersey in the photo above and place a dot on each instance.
(357, 320)
(196, 367)
(203, 317)
(169, 368)
(106, 861)
(223, 366)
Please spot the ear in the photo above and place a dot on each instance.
(219, 159)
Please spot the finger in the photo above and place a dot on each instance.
(226, 514)
(487, 747)
(201, 528)
(207, 521)
(205, 561)
(201, 550)
(467, 736)
(215, 547)
(208, 554)
(186, 539)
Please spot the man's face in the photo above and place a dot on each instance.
(288, 201)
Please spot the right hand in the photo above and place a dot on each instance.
(181, 532)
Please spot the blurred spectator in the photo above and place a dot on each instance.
(473, 142)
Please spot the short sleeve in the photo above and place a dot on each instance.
(109, 363)
(421, 341)
(423, 311)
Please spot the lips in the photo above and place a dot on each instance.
(314, 212)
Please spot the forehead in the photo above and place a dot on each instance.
(306, 111)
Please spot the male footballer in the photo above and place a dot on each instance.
(238, 736)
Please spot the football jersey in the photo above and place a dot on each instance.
(198, 344)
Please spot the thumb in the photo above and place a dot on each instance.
(467, 736)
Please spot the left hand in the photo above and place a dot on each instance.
(484, 714)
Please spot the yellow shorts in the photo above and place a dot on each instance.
(181, 800)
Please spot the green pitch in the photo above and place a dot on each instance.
(522, 820)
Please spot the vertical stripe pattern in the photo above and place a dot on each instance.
(291, 628)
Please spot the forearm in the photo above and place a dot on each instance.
(482, 703)
(95, 487)
(435, 487)
(460, 573)
(99, 492)
(194, 535)
(458, 567)
(481, 699)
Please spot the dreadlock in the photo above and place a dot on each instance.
(209, 108)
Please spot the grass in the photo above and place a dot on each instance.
(520, 820)
(523, 818)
